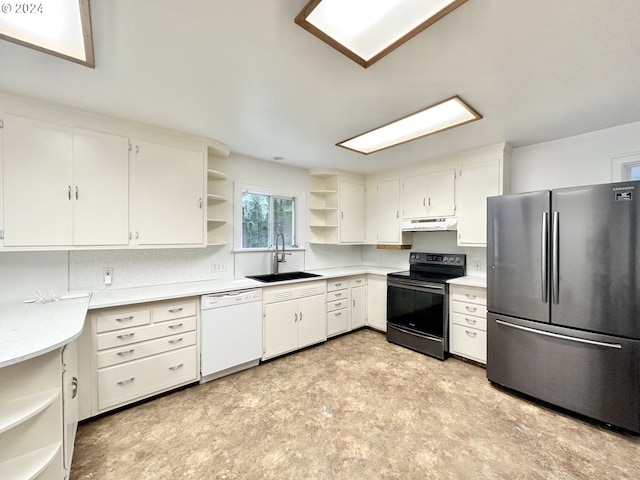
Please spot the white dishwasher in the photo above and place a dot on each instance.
(231, 332)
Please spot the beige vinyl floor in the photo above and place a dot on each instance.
(355, 407)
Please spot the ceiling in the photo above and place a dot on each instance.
(243, 73)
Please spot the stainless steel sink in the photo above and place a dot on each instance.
(280, 277)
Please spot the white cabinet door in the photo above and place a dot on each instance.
(414, 197)
(351, 212)
(280, 328)
(169, 195)
(475, 184)
(312, 322)
(377, 302)
(37, 183)
(358, 307)
(388, 212)
(441, 200)
(100, 188)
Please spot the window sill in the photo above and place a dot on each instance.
(250, 250)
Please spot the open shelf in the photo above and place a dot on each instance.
(216, 220)
(213, 197)
(30, 464)
(216, 175)
(16, 411)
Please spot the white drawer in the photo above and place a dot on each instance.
(124, 319)
(339, 284)
(173, 310)
(337, 322)
(468, 294)
(469, 309)
(146, 332)
(338, 295)
(469, 321)
(468, 342)
(357, 282)
(337, 305)
(145, 349)
(133, 380)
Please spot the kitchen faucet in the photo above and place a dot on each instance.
(279, 258)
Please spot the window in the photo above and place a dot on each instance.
(264, 214)
(625, 167)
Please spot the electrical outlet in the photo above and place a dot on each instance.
(218, 267)
(107, 275)
(478, 264)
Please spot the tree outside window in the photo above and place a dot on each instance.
(264, 216)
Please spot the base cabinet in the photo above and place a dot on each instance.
(377, 302)
(294, 317)
(31, 419)
(142, 350)
(468, 322)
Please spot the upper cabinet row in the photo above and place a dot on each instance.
(65, 186)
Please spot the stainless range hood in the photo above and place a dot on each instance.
(429, 224)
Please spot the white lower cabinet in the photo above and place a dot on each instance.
(358, 302)
(142, 350)
(346, 304)
(377, 302)
(294, 317)
(468, 322)
(31, 419)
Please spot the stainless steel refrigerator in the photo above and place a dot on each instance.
(563, 286)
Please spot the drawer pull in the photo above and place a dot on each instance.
(177, 325)
(126, 335)
(124, 319)
(358, 281)
(339, 294)
(176, 310)
(338, 314)
(471, 309)
(176, 340)
(176, 367)
(470, 321)
(337, 304)
(124, 382)
(470, 295)
(471, 334)
(338, 284)
(126, 352)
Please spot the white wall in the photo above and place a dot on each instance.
(572, 161)
(22, 274)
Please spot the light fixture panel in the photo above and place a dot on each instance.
(436, 118)
(367, 30)
(58, 27)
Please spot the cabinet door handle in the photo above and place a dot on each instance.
(176, 310)
(124, 319)
(124, 382)
(176, 340)
(177, 325)
(471, 334)
(76, 192)
(69, 192)
(471, 309)
(354, 303)
(300, 316)
(126, 352)
(429, 201)
(296, 317)
(74, 387)
(176, 367)
(470, 295)
(470, 321)
(125, 335)
(424, 202)
(200, 200)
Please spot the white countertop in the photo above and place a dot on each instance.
(470, 281)
(31, 329)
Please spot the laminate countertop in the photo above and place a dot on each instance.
(29, 329)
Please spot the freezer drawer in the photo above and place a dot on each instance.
(595, 375)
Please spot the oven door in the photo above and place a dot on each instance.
(417, 316)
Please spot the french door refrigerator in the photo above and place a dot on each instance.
(563, 286)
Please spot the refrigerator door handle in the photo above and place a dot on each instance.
(555, 260)
(561, 337)
(545, 261)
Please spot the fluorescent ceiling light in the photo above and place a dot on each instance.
(58, 27)
(441, 116)
(367, 30)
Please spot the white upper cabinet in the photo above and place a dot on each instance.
(63, 187)
(351, 212)
(431, 195)
(168, 198)
(476, 182)
(101, 188)
(387, 212)
(37, 182)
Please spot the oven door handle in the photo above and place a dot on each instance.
(413, 332)
(427, 288)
